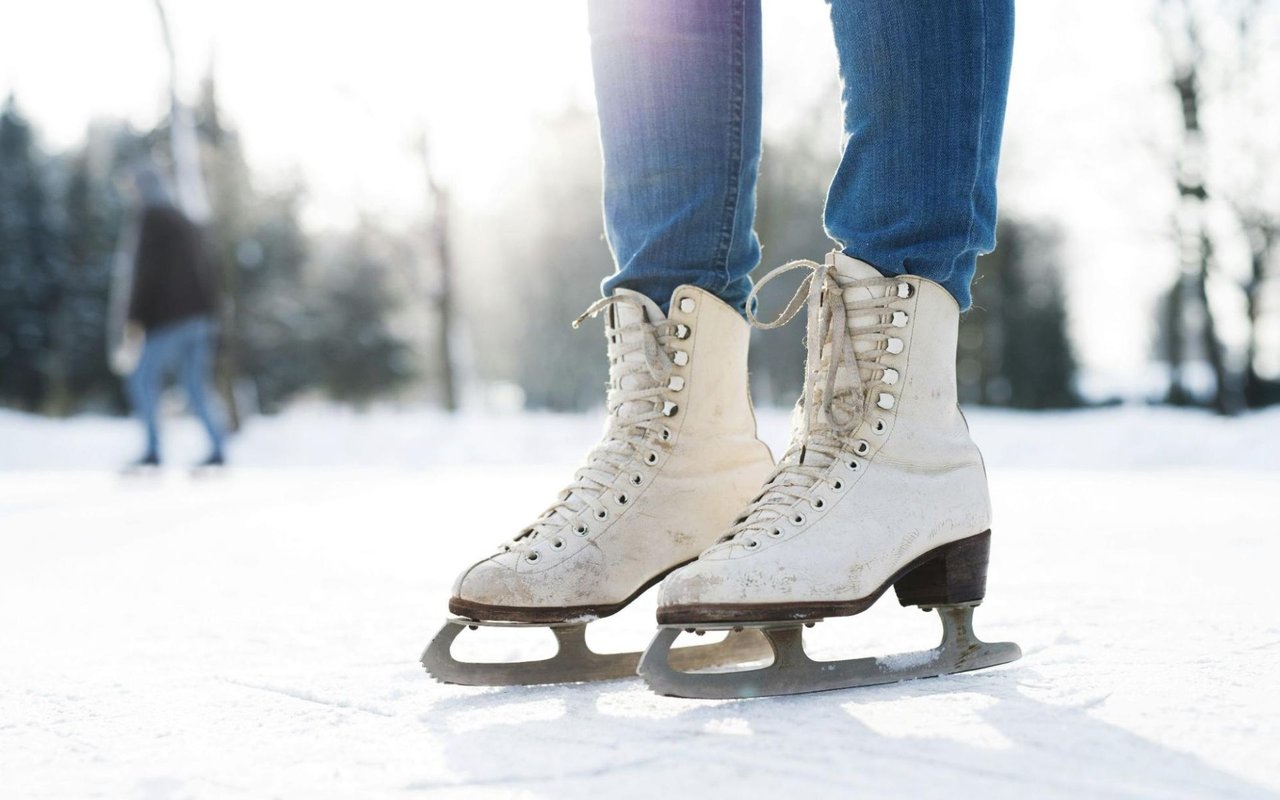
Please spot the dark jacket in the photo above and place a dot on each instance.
(172, 274)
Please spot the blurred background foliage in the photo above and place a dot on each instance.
(382, 311)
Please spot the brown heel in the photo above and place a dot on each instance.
(951, 574)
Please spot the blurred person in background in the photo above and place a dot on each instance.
(172, 309)
(881, 485)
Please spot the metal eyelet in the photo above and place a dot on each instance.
(905, 290)
(532, 557)
(602, 514)
(557, 544)
(880, 427)
(669, 409)
(683, 331)
(894, 345)
(581, 529)
(776, 533)
(680, 358)
(861, 447)
(898, 319)
(798, 519)
(752, 544)
(666, 434)
(637, 479)
(687, 305)
(819, 503)
(652, 458)
(676, 383)
(853, 465)
(622, 499)
(885, 401)
(889, 376)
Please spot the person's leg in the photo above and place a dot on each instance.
(144, 386)
(678, 90)
(197, 362)
(924, 85)
(678, 83)
(882, 485)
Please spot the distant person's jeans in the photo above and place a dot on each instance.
(184, 347)
(678, 90)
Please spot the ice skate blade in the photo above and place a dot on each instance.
(574, 661)
(793, 672)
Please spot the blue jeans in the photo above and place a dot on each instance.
(185, 347)
(678, 90)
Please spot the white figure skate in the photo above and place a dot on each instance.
(881, 486)
(678, 459)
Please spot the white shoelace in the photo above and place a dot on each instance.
(838, 384)
(635, 429)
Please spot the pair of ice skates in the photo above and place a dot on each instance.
(881, 486)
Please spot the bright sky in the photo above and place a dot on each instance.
(336, 92)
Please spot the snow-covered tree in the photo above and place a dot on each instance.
(29, 279)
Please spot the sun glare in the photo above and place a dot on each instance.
(337, 97)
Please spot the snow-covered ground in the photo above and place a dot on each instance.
(257, 634)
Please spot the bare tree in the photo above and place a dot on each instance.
(1228, 74)
(1183, 37)
(184, 143)
(441, 295)
(193, 197)
(1263, 231)
(1253, 198)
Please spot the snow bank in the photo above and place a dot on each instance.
(1125, 438)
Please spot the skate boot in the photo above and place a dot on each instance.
(881, 486)
(213, 464)
(678, 459)
(147, 464)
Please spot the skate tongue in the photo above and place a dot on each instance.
(848, 272)
(849, 275)
(636, 308)
(639, 309)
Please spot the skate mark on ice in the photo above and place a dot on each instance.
(301, 694)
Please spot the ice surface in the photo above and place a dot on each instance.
(257, 635)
